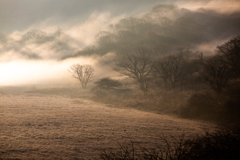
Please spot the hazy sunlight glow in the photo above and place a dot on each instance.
(19, 72)
(32, 72)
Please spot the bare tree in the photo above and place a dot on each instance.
(230, 54)
(82, 72)
(224, 66)
(173, 68)
(216, 73)
(137, 66)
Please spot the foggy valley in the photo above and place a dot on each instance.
(156, 79)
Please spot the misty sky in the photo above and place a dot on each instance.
(19, 15)
(35, 35)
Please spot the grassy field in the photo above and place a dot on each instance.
(42, 126)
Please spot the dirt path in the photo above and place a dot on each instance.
(54, 127)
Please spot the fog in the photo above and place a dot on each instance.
(38, 72)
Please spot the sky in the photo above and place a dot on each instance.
(35, 35)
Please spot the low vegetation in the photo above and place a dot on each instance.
(220, 145)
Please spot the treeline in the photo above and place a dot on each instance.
(183, 67)
(172, 70)
(211, 83)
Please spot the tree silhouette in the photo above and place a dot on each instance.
(137, 66)
(230, 54)
(82, 72)
(224, 66)
(173, 68)
(216, 73)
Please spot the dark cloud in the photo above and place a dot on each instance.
(164, 29)
(29, 54)
(3, 39)
(37, 44)
(218, 26)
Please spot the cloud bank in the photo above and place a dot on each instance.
(52, 43)
(164, 27)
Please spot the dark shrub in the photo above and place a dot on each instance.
(201, 106)
(220, 145)
(107, 83)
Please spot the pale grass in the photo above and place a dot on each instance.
(54, 127)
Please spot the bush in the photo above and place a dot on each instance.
(222, 109)
(201, 106)
(107, 83)
(220, 145)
